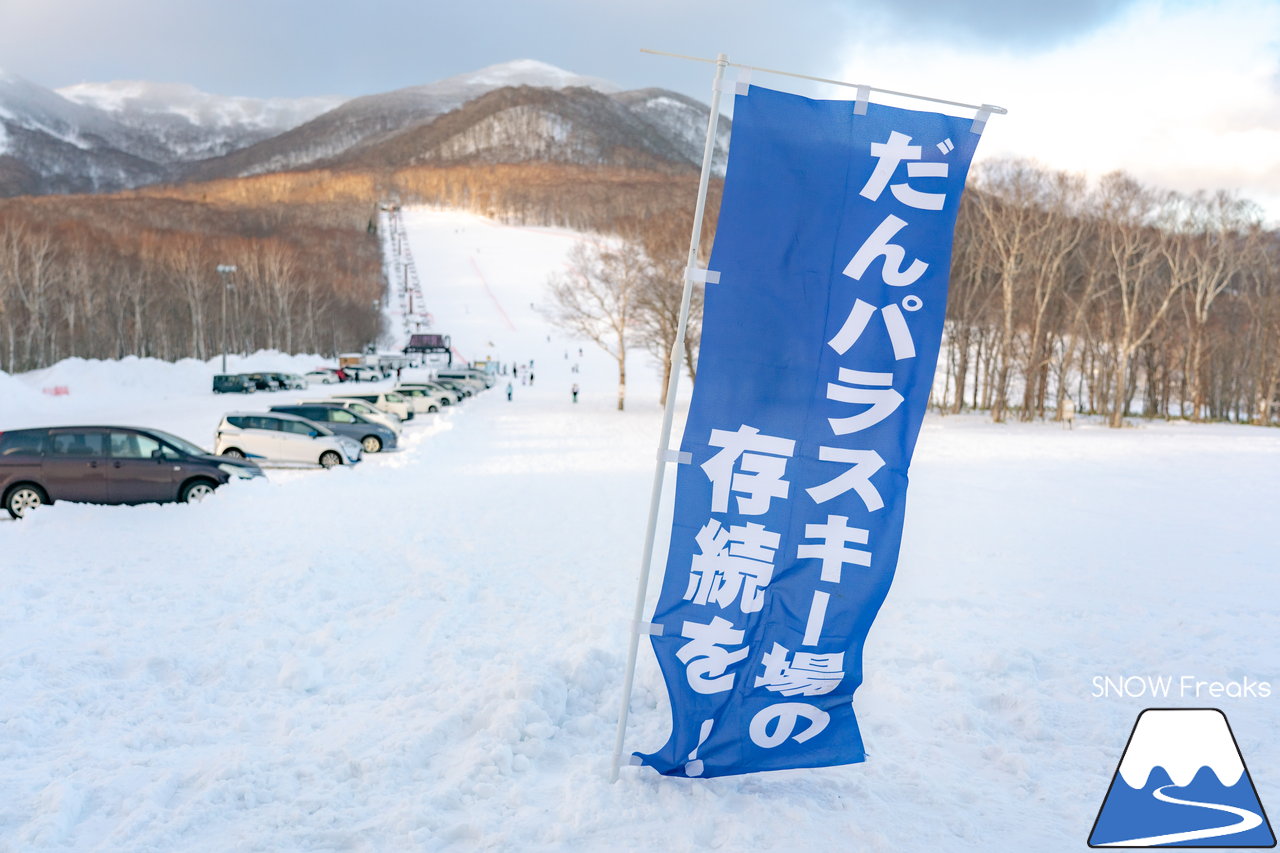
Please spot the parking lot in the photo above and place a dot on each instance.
(283, 421)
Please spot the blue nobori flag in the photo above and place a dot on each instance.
(819, 344)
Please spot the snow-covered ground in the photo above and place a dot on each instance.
(425, 652)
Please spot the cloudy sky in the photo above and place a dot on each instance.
(1182, 93)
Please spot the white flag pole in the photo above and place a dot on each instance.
(677, 350)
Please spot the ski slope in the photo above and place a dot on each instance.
(425, 652)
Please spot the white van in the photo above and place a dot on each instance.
(387, 401)
(279, 437)
(467, 374)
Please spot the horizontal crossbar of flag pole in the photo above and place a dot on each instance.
(981, 107)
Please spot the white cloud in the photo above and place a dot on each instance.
(1180, 95)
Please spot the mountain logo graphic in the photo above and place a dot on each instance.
(1182, 782)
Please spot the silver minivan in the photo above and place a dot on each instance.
(360, 407)
(467, 375)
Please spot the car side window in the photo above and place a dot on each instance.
(28, 443)
(130, 445)
(341, 416)
(296, 427)
(77, 444)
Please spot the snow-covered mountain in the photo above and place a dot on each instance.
(518, 124)
(191, 124)
(106, 136)
(546, 113)
(51, 144)
(682, 120)
(373, 118)
(96, 137)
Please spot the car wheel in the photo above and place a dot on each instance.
(432, 409)
(329, 458)
(233, 452)
(196, 491)
(23, 499)
(371, 444)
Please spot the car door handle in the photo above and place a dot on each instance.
(93, 464)
(115, 464)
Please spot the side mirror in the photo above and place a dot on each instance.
(157, 455)
(313, 433)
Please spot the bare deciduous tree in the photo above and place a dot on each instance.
(597, 297)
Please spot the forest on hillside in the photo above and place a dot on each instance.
(135, 273)
(1124, 300)
(110, 276)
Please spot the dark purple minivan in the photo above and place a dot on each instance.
(107, 465)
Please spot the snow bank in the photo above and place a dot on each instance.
(426, 651)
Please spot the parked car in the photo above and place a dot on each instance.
(322, 375)
(459, 387)
(466, 387)
(388, 401)
(422, 400)
(108, 465)
(447, 396)
(277, 437)
(360, 407)
(290, 381)
(373, 437)
(365, 373)
(233, 383)
(263, 381)
(481, 376)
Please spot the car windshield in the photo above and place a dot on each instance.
(180, 443)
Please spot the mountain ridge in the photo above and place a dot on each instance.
(103, 137)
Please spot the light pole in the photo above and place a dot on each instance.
(224, 272)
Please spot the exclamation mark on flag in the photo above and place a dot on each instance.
(694, 766)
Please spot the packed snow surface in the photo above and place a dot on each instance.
(425, 652)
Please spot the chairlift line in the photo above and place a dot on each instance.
(403, 283)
